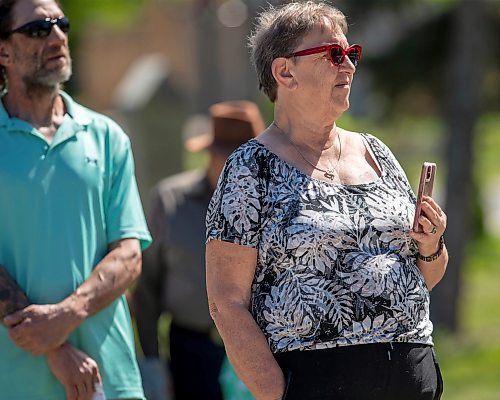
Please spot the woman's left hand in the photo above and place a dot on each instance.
(433, 222)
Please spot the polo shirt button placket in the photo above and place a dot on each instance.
(45, 151)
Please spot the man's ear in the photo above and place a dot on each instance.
(4, 53)
(282, 72)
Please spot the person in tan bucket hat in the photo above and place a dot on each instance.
(233, 123)
(173, 277)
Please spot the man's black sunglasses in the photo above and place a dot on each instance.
(41, 28)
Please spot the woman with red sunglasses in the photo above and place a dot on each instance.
(316, 282)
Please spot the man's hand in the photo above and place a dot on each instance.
(39, 329)
(76, 371)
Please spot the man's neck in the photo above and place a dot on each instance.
(43, 110)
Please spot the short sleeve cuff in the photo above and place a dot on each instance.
(143, 236)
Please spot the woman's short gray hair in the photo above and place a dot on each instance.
(279, 30)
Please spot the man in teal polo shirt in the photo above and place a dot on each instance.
(71, 224)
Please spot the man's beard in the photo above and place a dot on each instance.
(43, 80)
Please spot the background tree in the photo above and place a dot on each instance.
(462, 105)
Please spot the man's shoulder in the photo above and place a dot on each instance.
(181, 183)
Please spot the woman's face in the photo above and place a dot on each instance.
(322, 86)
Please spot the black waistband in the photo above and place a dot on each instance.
(361, 350)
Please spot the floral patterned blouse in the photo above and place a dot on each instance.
(335, 263)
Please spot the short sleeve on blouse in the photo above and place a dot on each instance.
(236, 209)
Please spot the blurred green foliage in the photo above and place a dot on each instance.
(110, 13)
(487, 141)
(470, 362)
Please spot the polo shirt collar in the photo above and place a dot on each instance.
(78, 113)
(13, 124)
(76, 119)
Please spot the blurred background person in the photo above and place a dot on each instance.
(317, 285)
(173, 278)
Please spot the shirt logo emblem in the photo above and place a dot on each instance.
(91, 161)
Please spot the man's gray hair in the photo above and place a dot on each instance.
(6, 7)
(279, 30)
(6, 17)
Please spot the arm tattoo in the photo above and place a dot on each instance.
(12, 298)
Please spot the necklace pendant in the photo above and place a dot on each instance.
(329, 174)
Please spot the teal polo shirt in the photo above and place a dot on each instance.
(61, 205)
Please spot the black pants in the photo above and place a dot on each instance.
(392, 371)
(195, 364)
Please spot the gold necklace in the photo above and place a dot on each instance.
(328, 173)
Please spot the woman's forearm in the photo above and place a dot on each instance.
(230, 272)
(248, 351)
(434, 271)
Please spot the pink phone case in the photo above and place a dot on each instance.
(425, 187)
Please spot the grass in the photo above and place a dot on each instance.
(470, 360)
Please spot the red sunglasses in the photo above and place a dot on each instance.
(336, 53)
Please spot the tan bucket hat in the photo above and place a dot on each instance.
(233, 123)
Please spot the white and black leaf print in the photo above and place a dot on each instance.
(241, 213)
(336, 265)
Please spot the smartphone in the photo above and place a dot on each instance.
(425, 187)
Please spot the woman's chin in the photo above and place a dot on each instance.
(340, 107)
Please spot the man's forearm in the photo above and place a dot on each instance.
(12, 298)
(51, 324)
(72, 371)
(109, 280)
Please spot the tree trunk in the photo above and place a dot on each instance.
(465, 77)
(207, 45)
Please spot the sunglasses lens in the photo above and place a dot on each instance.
(63, 24)
(37, 29)
(337, 55)
(354, 56)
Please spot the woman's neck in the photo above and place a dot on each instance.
(306, 130)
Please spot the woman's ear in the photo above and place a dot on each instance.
(283, 73)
